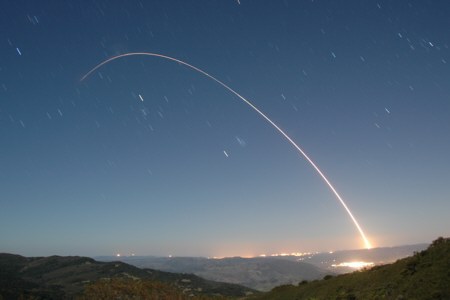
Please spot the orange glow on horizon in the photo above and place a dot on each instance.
(259, 112)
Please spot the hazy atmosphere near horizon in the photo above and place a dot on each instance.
(148, 156)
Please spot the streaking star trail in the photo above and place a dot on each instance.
(264, 116)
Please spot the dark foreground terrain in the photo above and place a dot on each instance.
(265, 273)
(59, 277)
(425, 275)
(259, 273)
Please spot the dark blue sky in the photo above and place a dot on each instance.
(88, 168)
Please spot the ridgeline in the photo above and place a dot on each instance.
(425, 275)
(73, 277)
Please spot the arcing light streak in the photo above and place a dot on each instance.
(361, 232)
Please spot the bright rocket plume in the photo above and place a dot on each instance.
(300, 150)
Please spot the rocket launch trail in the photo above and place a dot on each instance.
(264, 116)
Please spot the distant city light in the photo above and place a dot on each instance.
(354, 264)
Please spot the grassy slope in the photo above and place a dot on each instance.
(59, 277)
(124, 289)
(426, 275)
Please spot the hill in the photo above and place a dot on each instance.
(260, 273)
(265, 273)
(425, 275)
(376, 256)
(57, 277)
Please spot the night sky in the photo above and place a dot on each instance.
(147, 156)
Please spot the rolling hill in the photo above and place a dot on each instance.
(265, 273)
(425, 275)
(57, 277)
(260, 273)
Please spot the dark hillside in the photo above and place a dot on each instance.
(58, 277)
(425, 275)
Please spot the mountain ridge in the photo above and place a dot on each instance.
(60, 277)
(264, 273)
(425, 275)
